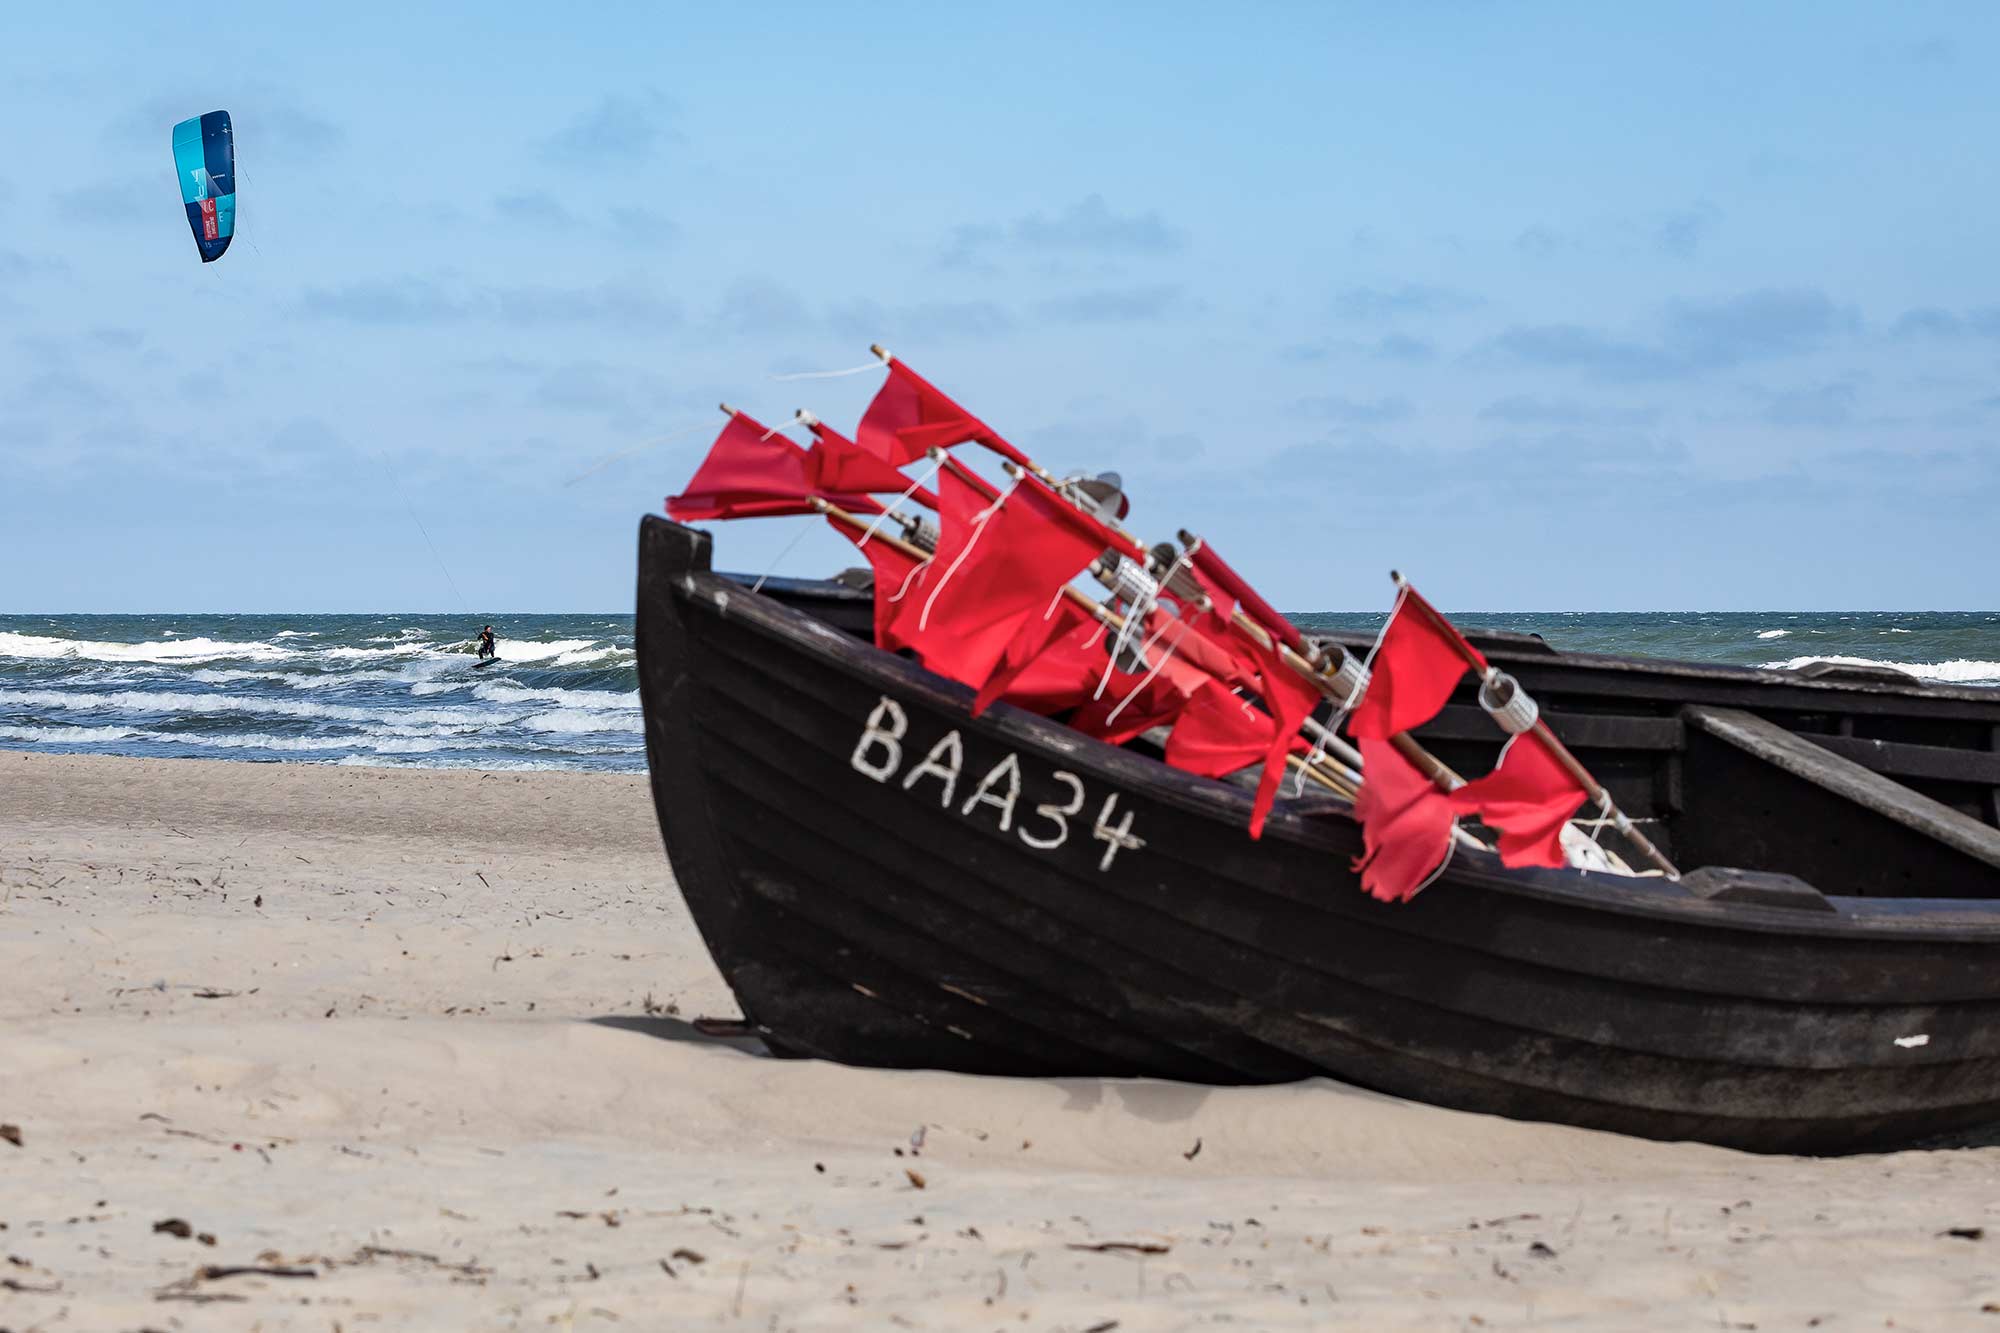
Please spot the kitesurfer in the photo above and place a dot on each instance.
(486, 648)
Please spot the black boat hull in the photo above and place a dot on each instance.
(884, 880)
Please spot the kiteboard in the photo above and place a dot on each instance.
(484, 662)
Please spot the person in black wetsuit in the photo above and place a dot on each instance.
(486, 648)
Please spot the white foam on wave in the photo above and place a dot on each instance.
(165, 701)
(292, 634)
(1959, 671)
(574, 720)
(61, 734)
(43, 647)
(1772, 633)
(597, 700)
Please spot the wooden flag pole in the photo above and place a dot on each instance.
(1571, 765)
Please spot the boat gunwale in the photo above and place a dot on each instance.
(1939, 921)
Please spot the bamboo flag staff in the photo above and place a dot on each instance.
(1512, 706)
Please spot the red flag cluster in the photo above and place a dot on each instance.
(992, 606)
(1407, 822)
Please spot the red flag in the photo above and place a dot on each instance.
(1134, 702)
(996, 565)
(836, 463)
(1417, 666)
(1405, 824)
(909, 417)
(1051, 664)
(1218, 732)
(1216, 646)
(1290, 699)
(1216, 574)
(898, 574)
(751, 472)
(1528, 797)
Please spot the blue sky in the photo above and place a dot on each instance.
(1551, 306)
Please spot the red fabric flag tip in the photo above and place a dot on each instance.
(1290, 698)
(752, 472)
(1406, 824)
(1050, 665)
(1418, 664)
(1132, 703)
(996, 564)
(836, 463)
(898, 574)
(1217, 574)
(1218, 732)
(908, 418)
(1527, 799)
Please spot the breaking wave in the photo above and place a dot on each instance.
(1959, 672)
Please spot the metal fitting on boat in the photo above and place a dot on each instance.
(1133, 584)
(1511, 706)
(1352, 677)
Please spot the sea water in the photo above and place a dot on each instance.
(404, 689)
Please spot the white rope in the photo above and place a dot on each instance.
(832, 374)
(758, 586)
(1299, 776)
(980, 520)
(1148, 678)
(915, 486)
(668, 438)
(798, 419)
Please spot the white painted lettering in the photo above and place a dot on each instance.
(885, 729)
(1114, 838)
(936, 763)
(1058, 813)
(1010, 768)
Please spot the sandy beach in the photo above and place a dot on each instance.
(407, 1049)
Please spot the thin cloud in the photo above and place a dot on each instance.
(1693, 338)
(618, 129)
(1370, 304)
(1115, 305)
(1088, 227)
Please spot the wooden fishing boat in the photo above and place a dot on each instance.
(886, 880)
(1622, 715)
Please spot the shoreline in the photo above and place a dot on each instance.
(422, 1032)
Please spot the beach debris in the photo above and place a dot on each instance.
(173, 1226)
(688, 1256)
(1102, 1326)
(1964, 1233)
(1193, 1152)
(15, 1284)
(1120, 1246)
(258, 901)
(1911, 1042)
(11, 1133)
(215, 1272)
(210, 993)
(917, 1139)
(916, 1178)
(820, 1167)
(1540, 1251)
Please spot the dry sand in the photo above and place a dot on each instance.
(410, 1035)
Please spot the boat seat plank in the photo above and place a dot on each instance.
(1843, 777)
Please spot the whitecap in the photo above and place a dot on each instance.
(572, 720)
(1959, 671)
(43, 647)
(1772, 633)
(61, 734)
(162, 701)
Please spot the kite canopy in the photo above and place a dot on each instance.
(205, 161)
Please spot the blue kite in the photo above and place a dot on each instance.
(205, 160)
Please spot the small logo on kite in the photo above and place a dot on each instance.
(200, 175)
